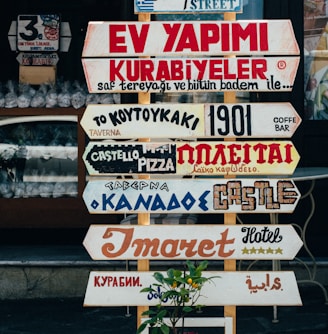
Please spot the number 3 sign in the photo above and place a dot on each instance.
(38, 32)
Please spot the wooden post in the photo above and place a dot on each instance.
(230, 218)
(143, 218)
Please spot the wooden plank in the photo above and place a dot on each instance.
(37, 75)
(202, 38)
(206, 195)
(165, 75)
(265, 288)
(212, 242)
(191, 158)
(187, 6)
(216, 120)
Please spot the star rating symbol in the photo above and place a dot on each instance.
(245, 250)
(279, 251)
(270, 250)
(262, 250)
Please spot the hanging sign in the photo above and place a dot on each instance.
(191, 158)
(187, 6)
(249, 288)
(165, 75)
(202, 38)
(255, 120)
(212, 242)
(38, 33)
(201, 195)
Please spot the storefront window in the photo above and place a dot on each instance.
(38, 156)
(316, 59)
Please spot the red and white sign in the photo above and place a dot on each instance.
(165, 75)
(252, 120)
(201, 195)
(249, 288)
(191, 158)
(212, 242)
(167, 38)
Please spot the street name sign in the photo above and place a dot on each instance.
(197, 38)
(244, 288)
(200, 195)
(212, 242)
(165, 75)
(187, 6)
(251, 120)
(191, 158)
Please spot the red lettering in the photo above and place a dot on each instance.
(288, 151)
(274, 154)
(116, 42)
(259, 67)
(260, 148)
(209, 35)
(227, 75)
(223, 242)
(264, 46)
(201, 66)
(114, 69)
(188, 39)
(233, 154)
(139, 41)
(172, 31)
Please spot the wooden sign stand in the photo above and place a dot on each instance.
(230, 218)
(143, 218)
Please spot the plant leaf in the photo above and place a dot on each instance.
(159, 277)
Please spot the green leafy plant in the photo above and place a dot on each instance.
(178, 292)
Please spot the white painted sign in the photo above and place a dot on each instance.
(37, 33)
(205, 195)
(252, 120)
(110, 288)
(169, 38)
(64, 38)
(191, 158)
(187, 6)
(165, 75)
(212, 242)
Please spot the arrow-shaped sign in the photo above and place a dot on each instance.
(251, 120)
(162, 75)
(202, 38)
(192, 158)
(212, 242)
(207, 195)
(37, 59)
(110, 288)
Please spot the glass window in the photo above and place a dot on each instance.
(38, 156)
(316, 59)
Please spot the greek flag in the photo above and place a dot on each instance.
(145, 5)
